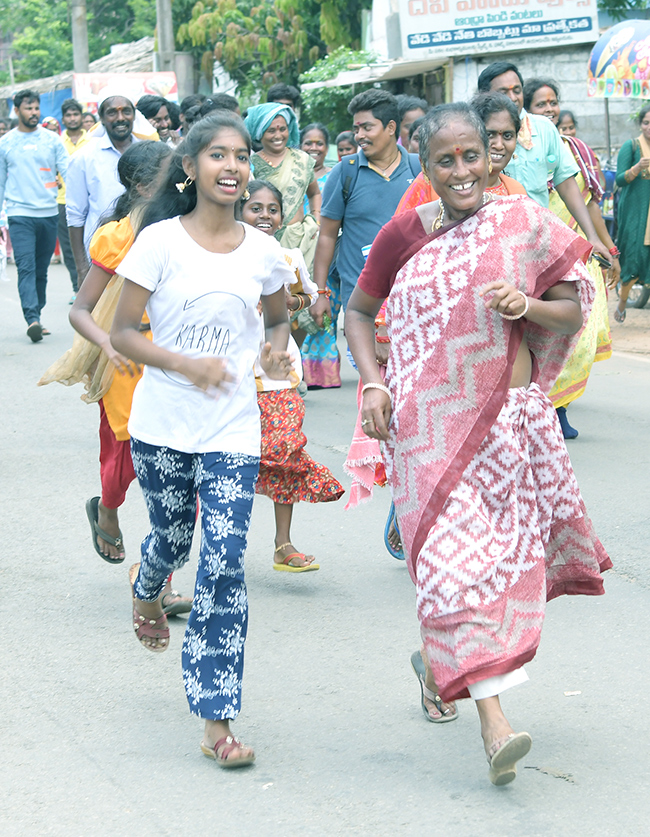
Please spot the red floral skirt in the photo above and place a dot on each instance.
(287, 473)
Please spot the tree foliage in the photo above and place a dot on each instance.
(329, 105)
(260, 42)
(622, 9)
(42, 37)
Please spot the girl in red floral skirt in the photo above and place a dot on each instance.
(287, 473)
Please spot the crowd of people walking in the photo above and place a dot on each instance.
(213, 257)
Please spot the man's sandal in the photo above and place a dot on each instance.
(157, 629)
(446, 715)
(504, 754)
(286, 566)
(227, 745)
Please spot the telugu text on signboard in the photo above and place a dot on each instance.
(464, 27)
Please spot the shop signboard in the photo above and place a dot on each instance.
(439, 28)
(91, 88)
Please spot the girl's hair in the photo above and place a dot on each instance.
(168, 201)
(347, 136)
(487, 104)
(315, 126)
(643, 113)
(255, 186)
(138, 166)
(533, 85)
(440, 117)
(564, 114)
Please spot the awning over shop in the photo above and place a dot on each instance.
(371, 73)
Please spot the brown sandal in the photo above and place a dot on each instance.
(157, 629)
(228, 744)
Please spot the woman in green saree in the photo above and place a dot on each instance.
(290, 170)
(633, 179)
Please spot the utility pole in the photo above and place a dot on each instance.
(79, 20)
(165, 35)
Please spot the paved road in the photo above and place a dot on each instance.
(96, 735)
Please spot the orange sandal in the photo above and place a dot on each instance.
(286, 566)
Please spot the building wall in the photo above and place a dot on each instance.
(568, 67)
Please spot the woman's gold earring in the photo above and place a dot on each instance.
(490, 166)
(183, 186)
(246, 195)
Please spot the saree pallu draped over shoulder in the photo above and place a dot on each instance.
(449, 374)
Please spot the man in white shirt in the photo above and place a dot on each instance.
(93, 184)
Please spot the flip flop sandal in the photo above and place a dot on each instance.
(503, 761)
(174, 608)
(392, 520)
(157, 629)
(434, 697)
(286, 567)
(35, 332)
(92, 510)
(227, 745)
(45, 331)
(619, 316)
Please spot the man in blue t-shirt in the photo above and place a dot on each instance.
(361, 193)
(30, 159)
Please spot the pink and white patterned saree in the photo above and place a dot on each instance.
(489, 510)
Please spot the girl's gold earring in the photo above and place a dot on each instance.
(183, 186)
(246, 195)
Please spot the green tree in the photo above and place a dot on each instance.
(329, 105)
(260, 42)
(42, 36)
(256, 43)
(42, 39)
(621, 9)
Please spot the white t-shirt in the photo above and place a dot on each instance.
(202, 304)
(306, 285)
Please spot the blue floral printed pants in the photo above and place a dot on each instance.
(213, 647)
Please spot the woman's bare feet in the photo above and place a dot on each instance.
(394, 538)
(448, 709)
(108, 521)
(494, 724)
(230, 752)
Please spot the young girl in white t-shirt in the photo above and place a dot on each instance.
(194, 425)
(288, 474)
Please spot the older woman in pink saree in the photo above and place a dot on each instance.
(486, 301)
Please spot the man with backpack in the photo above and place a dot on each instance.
(361, 193)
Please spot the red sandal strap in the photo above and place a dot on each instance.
(229, 743)
(150, 628)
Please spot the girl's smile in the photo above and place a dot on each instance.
(263, 212)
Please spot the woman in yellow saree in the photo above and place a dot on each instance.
(542, 97)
